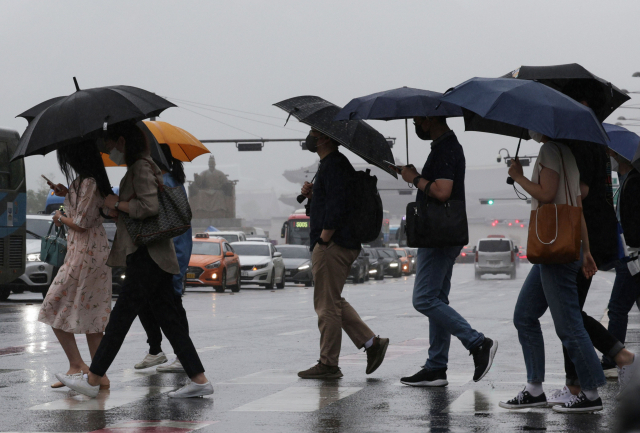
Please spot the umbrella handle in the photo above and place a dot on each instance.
(301, 198)
(510, 180)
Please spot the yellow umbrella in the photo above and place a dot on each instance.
(183, 145)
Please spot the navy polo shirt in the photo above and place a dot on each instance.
(446, 161)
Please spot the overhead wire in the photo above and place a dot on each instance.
(223, 108)
(219, 121)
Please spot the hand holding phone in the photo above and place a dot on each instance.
(397, 168)
(51, 184)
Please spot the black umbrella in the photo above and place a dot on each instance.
(355, 135)
(573, 79)
(81, 115)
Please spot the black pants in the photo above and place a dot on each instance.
(151, 326)
(601, 338)
(146, 283)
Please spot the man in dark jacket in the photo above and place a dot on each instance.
(334, 251)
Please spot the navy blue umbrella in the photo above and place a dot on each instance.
(511, 107)
(401, 103)
(624, 142)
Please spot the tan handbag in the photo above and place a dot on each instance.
(555, 230)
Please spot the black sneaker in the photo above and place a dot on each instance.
(524, 400)
(375, 353)
(427, 377)
(580, 404)
(483, 358)
(321, 371)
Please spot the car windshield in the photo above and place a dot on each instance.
(206, 248)
(228, 238)
(401, 253)
(494, 246)
(39, 227)
(388, 254)
(294, 253)
(251, 250)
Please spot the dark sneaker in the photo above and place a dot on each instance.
(321, 371)
(483, 358)
(427, 377)
(524, 400)
(580, 404)
(375, 354)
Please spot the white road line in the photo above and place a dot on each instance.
(481, 401)
(266, 377)
(408, 347)
(106, 400)
(365, 318)
(301, 331)
(180, 426)
(299, 399)
(208, 349)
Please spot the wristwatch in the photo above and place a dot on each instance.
(116, 205)
(416, 180)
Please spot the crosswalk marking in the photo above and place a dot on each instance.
(106, 400)
(162, 426)
(407, 347)
(208, 349)
(299, 399)
(365, 318)
(481, 401)
(266, 377)
(301, 331)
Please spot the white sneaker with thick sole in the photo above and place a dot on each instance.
(174, 367)
(79, 383)
(151, 360)
(193, 389)
(625, 374)
(559, 396)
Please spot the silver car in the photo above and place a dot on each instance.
(260, 264)
(495, 256)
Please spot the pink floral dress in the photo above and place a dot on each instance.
(79, 300)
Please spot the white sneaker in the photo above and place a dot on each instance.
(151, 360)
(79, 383)
(174, 367)
(625, 374)
(193, 389)
(559, 396)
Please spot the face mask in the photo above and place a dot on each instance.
(535, 136)
(614, 164)
(116, 156)
(312, 143)
(422, 134)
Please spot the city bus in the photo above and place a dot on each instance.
(296, 229)
(13, 212)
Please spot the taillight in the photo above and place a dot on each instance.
(513, 257)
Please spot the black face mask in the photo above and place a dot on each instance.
(312, 143)
(422, 134)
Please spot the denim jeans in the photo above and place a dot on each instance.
(625, 292)
(554, 287)
(431, 298)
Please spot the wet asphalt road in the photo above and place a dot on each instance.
(252, 344)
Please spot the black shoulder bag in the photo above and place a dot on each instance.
(433, 224)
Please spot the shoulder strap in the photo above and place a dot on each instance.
(564, 173)
(158, 177)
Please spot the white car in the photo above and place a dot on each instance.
(38, 275)
(260, 264)
(230, 236)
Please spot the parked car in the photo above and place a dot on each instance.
(466, 255)
(376, 267)
(213, 263)
(522, 255)
(297, 264)
(391, 261)
(359, 271)
(405, 260)
(260, 264)
(495, 256)
(258, 240)
(230, 236)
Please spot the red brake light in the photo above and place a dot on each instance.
(521, 225)
(463, 254)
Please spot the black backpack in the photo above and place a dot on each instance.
(366, 213)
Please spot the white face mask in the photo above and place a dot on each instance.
(535, 136)
(116, 156)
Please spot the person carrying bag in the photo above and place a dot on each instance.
(53, 249)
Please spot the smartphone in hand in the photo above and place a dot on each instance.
(48, 180)
(397, 168)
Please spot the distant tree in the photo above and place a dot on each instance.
(37, 198)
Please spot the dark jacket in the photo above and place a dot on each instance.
(630, 209)
(330, 202)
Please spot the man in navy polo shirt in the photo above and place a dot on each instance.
(444, 170)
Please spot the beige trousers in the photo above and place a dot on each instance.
(331, 266)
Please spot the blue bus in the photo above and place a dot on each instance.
(13, 212)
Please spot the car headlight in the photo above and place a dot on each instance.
(303, 267)
(413, 260)
(213, 265)
(35, 257)
(373, 271)
(262, 266)
(393, 265)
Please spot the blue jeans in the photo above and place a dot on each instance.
(624, 294)
(554, 287)
(431, 298)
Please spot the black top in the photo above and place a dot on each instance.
(446, 161)
(330, 203)
(630, 209)
(597, 207)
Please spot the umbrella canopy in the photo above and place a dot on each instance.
(355, 135)
(511, 107)
(624, 142)
(184, 146)
(604, 97)
(401, 103)
(154, 148)
(73, 118)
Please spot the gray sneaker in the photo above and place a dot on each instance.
(193, 389)
(151, 360)
(174, 367)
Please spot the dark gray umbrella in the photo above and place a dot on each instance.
(355, 135)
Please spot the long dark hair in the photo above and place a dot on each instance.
(176, 167)
(135, 141)
(83, 161)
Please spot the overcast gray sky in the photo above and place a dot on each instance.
(246, 55)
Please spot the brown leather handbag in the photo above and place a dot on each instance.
(554, 230)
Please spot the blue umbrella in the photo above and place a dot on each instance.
(624, 142)
(402, 103)
(511, 107)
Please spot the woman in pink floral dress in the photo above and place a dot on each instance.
(79, 300)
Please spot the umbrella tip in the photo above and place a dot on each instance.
(76, 83)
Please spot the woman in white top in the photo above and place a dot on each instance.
(553, 286)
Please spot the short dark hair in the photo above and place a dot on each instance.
(135, 141)
(586, 90)
(438, 119)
